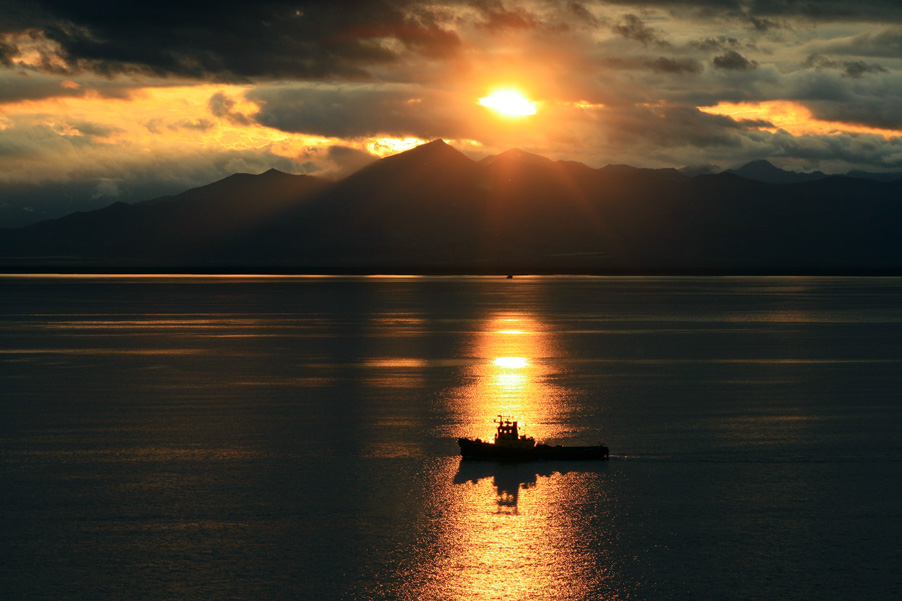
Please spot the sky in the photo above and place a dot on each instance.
(104, 101)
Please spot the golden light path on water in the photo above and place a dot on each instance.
(511, 377)
(513, 531)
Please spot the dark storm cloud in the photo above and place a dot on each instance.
(734, 61)
(352, 111)
(231, 40)
(344, 39)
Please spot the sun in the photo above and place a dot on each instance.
(509, 103)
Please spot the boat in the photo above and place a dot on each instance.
(510, 445)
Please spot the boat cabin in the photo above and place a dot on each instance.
(507, 434)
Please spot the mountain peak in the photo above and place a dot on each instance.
(762, 164)
(764, 171)
(516, 155)
(436, 151)
(428, 161)
(435, 147)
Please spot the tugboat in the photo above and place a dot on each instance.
(510, 445)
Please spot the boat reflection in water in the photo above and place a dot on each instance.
(535, 530)
(509, 478)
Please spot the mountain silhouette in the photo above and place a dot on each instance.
(434, 210)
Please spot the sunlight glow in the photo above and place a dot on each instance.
(509, 103)
(386, 146)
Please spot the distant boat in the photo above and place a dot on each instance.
(510, 276)
(510, 445)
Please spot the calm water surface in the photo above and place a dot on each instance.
(294, 438)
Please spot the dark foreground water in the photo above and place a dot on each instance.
(294, 438)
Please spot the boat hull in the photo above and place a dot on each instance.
(477, 449)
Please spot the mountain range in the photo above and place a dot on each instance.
(434, 210)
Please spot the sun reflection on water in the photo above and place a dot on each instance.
(510, 377)
(511, 362)
(512, 531)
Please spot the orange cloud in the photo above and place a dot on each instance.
(793, 118)
(165, 121)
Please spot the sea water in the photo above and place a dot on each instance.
(295, 438)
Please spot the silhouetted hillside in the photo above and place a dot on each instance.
(186, 228)
(432, 209)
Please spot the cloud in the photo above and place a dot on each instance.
(716, 44)
(874, 100)
(853, 69)
(352, 111)
(7, 52)
(96, 130)
(578, 12)
(224, 107)
(631, 27)
(52, 175)
(347, 160)
(232, 40)
(312, 86)
(762, 12)
(856, 69)
(886, 43)
(496, 16)
(674, 127)
(733, 61)
(661, 64)
(883, 113)
(664, 64)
